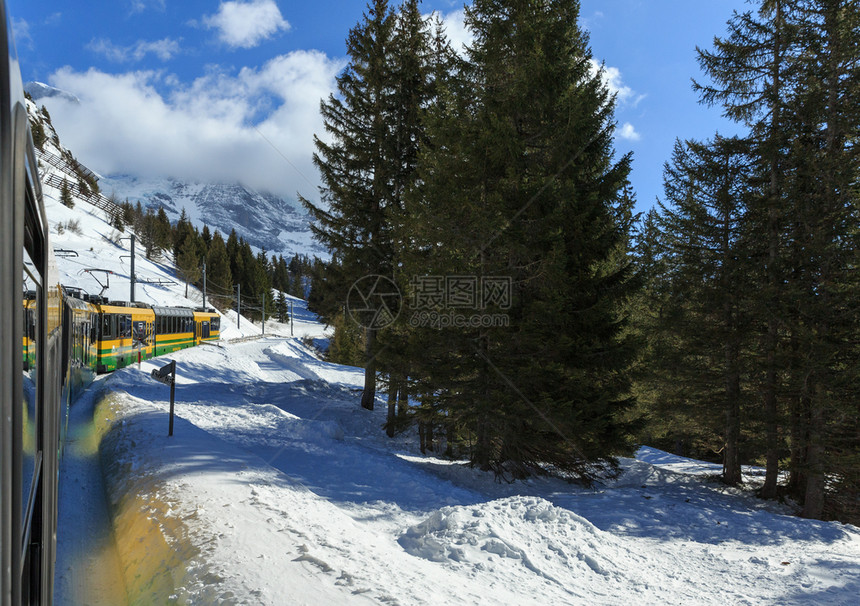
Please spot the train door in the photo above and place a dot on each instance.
(86, 341)
(150, 339)
(205, 329)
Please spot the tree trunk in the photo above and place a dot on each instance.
(771, 476)
(799, 440)
(482, 446)
(813, 502)
(731, 457)
(402, 399)
(392, 405)
(368, 396)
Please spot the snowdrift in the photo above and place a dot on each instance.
(278, 488)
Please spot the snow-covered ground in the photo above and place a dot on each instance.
(278, 488)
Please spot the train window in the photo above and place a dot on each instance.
(107, 326)
(139, 330)
(124, 326)
(215, 323)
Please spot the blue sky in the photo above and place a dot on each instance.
(230, 90)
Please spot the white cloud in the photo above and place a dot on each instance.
(209, 130)
(163, 49)
(455, 29)
(624, 95)
(21, 31)
(138, 6)
(612, 79)
(628, 132)
(246, 24)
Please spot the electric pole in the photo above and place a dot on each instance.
(132, 268)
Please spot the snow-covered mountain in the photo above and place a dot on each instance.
(264, 220)
(40, 90)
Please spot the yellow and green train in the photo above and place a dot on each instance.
(127, 333)
(102, 337)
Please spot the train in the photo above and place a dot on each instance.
(53, 342)
(101, 336)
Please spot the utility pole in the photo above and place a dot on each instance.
(204, 285)
(132, 280)
(238, 306)
(264, 314)
(291, 318)
(132, 269)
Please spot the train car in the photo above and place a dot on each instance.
(30, 407)
(207, 325)
(80, 344)
(174, 329)
(126, 335)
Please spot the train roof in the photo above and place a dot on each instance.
(76, 303)
(173, 311)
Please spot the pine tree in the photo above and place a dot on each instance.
(163, 232)
(66, 195)
(184, 235)
(218, 275)
(206, 237)
(412, 69)
(825, 166)
(791, 77)
(283, 309)
(527, 189)
(188, 266)
(359, 168)
(146, 229)
(707, 240)
(38, 130)
(751, 69)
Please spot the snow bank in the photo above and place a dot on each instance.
(277, 488)
(525, 535)
(183, 541)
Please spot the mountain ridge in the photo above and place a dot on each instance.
(266, 221)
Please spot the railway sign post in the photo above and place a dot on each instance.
(167, 375)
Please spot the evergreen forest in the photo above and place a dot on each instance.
(235, 277)
(525, 317)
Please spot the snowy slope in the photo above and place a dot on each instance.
(278, 488)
